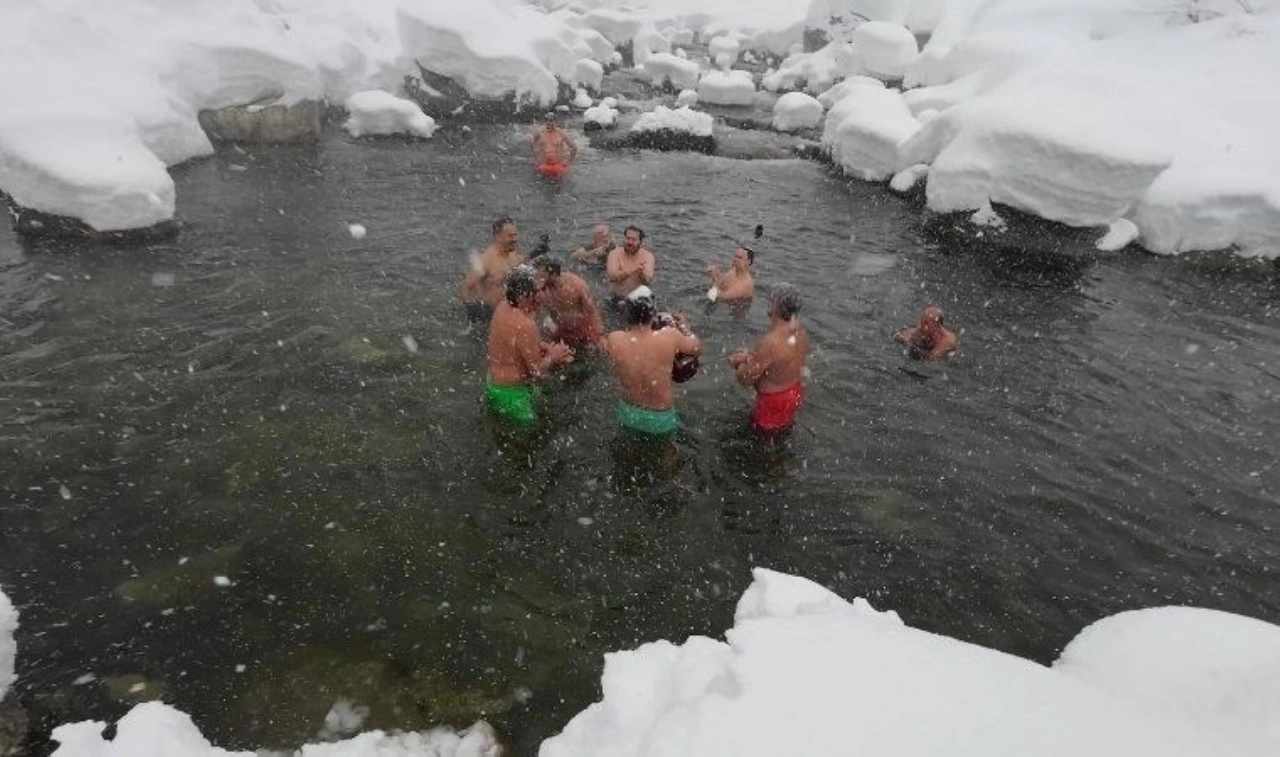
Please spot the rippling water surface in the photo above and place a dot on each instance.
(243, 401)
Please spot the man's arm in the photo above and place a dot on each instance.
(646, 269)
(466, 292)
(905, 336)
(536, 359)
(753, 367)
(613, 269)
(589, 307)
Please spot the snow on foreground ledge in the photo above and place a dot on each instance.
(8, 650)
(805, 673)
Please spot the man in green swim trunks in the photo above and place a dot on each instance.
(516, 354)
(642, 359)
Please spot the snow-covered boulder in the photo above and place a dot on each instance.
(885, 49)
(617, 26)
(589, 73)
(724, 50)
(679, 120)
(865, 131)
(796, 110)
(647, 42)
(602, 50)
(374, 112)
(687, 98)
(665, 67)
(581, 99)
(818, 71)
(8, 649)
(836, 93)
(801, 663)
(599, 117)
(726, 88)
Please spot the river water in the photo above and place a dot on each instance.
(268, 400)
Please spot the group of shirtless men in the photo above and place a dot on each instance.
(510, 292)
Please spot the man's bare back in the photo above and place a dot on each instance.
(642, 361)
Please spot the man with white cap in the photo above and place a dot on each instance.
(642, 359)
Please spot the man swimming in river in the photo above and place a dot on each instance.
(598, 250)
(553, 148)
(928, 339)
(482, 288)
(629, 266)
(567, 298)
(775, 366)
(516, 355)
(642, 359)
(737, 283)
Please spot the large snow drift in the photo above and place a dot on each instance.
(803, 672)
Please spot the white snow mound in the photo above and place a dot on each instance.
(796, 110)
(680, 120)
(376, 112)
(865, 130)
(726, 88)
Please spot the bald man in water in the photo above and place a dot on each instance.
(928, 339)
(598, 250)
(774, 367)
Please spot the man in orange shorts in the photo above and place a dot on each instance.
(553, 149)
(775, 366)
(567, 299)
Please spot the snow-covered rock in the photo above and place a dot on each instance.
(734, 87)
(581, 99)
(376, 112)
(648, 41)
(817, 70)
(665, 67)
(865, 130)
(804, 672)
(686, 98)
(1121, 233)
(8, 649)
(617, 26)
(885, 49)
(837, 92)
(796, 110)
(600, 117)
(588, 73)
(906, 179)
(724, 50)
(679, 120)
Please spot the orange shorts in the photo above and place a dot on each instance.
(775, 411)
(552, 170)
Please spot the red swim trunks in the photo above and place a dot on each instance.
(775, 411)
(583, 332)
(553, 170)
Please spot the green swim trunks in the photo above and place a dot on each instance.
(646, 421)
(513, 403)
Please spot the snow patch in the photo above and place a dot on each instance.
(374, 112)
(886, 48)
(865, 130)
(796, 110)
(726, 88)
(1119, 235)
(680, 120)
(663, 67)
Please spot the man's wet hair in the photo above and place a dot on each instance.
(548, 264)
(521, 282)
(503, 221)
(640, 307)
(636, 229)
(786, 300)
(751, 253)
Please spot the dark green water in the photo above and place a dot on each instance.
(240, 402)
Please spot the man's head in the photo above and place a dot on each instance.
(632, 238)
(548, 271)
(550, 120)
(521, 285)
(641, 306)
(505, 234)
(931, 318)
(784, 301)
(600, 234)
(743, 258)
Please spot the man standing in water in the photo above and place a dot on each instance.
(928, 339)
(598, 250)
(736, 284)
(482, 289)
(516, 355)
(629, 266)
(553, 149)
(568, 300)
(775, 366)
(642, 359)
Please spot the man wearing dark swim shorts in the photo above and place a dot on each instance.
(775, 366)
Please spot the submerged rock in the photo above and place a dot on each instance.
(13, 728)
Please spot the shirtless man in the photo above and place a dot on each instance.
(629, 266)
(568, 300)
(929, 339)
(735, 284)
(482, 289)
(642, 360)
(516, 355)
(553, 149)
(774, 367)
(598, 250)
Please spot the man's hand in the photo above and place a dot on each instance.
(739, 357)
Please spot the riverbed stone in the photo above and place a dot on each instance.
(13, 728)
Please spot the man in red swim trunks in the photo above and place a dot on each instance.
(553, 149)
(775, 366)
(567, 299)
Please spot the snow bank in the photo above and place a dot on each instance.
(817, 70)
(1214, 669)
(724, 50)
(589, 73)
(726, 88)
(662, 67)
(865, 130)
(796, 110)
(886, 48)
(680, 120)
(686, 98)
(8, 649)
(376, 112)
(803, 672)
(601, 115)
(154, 729)
(837, 93)
(617, 26)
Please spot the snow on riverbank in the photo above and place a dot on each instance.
(802, 672)
(8, 650)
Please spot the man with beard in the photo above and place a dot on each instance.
(629, 266)
(482, 289)
(567, 298)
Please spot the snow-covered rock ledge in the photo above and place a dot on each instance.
(803, 672)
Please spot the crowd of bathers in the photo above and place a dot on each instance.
(650, 350)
